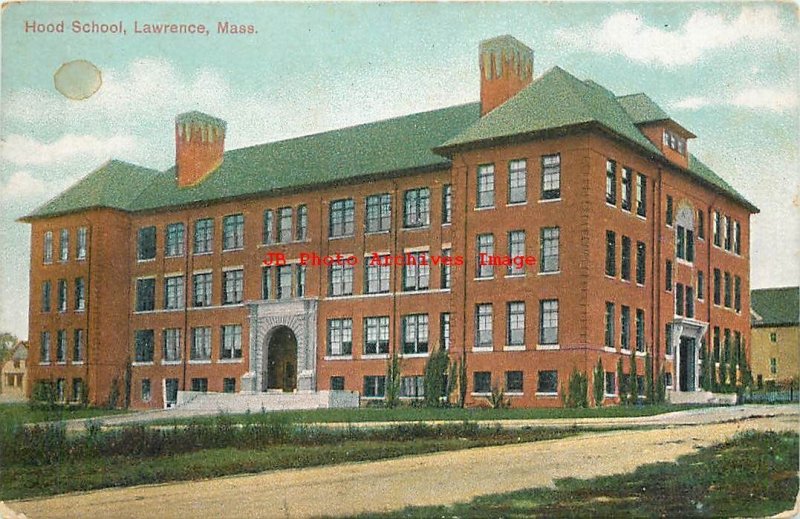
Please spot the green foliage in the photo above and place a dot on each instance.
(113, 394)
(393, 369)
(649, 385)
(661, 387)
(462, 380)
(497, 399)
(436, 370)
(714, 384)
(577, 392)
(620, 374)
(633, 385)
(44, 395)
(128, 380)
(706, 369)
(598, 383)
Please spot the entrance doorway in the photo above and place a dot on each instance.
(687, 364)
(281, 360)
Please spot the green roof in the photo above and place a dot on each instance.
(705, 173)
(775, 306)
(642, 109)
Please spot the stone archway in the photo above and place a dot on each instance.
(280, 369)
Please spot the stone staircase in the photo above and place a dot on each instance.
(268, 401)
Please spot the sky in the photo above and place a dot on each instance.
(726, 71)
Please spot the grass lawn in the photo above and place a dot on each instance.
(23, 413)
(753, 475)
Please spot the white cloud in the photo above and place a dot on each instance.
(626, 34)
(774, 100)
(22, 184)
(22, 150)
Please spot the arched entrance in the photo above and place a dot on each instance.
(281, 362)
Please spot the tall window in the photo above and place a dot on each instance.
(144, 345)
(342, 216)
(548, 321)
(146, 244)
(737, 293)
(268, 224)
(376, 275)
(625, 265)
(233, 232)
(701, 224)
(611, 182)
(701, 285)
(233, 286)
(486, 185)
(266, 282)
(46, 289)
(516, 249)
(415, 333)
(549, 239)
(201, 344)
(716, 229)
(737, 237)
(447, 203)
(146, 390)
(485, 251)
(641, 262)
(301, 233)
(483, 326)
(340, 337)
(379, 212)
(202, 289)
(172, 344)
(64, 244)
(515, 325)
(174, 240)
(300, 274)
(231, 341)
(668, 339)
(47, 251)
(669, 216)
(80, 294)
(417, 207)
(609, 335)
(416, 272)
(611, 252)
(684, 243)
(340, 279)
(517, 181)
(668, 276)
(61, 346)
(727, 290)
(81, 245)
(145, 295)
(639, 329)
(679, 299)
(446, 274)
(78, 345)
(717, 287)
(285, 224)
(689, 301)
(173, 293)
(625, 328)
(551, 177)
(284, 282)
(62, 295)
(203, 236)
(627, 188)
(444, 330)
(44, 348)
(728, 231)
(376, 335)
(641, 195)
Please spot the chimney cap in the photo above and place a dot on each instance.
(199, 117)
(505, 42)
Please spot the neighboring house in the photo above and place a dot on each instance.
(13, 376)
(775, 321)
(638, 247)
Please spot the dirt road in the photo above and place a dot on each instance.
(386, 485)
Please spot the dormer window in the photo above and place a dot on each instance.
(675, 142)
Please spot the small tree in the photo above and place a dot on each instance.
(661, 387)
(620, 375)
(649, 385)
(436, 370)
(744, 368)
(577, 391)
(393, 380)
(732, 375)
(598, 383)
(706, 367)
(633, 385)
(462, 380)
(712, 368)
(498, 400)
(128, 382)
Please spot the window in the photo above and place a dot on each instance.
(678, 299)
(170, 391)
(342, 216)
(201, 295)
(517, 181)
(229, 385)
(77, 389)
(46, 289)
(301, 232)
(773, 366)
(374, 386)
(485, 196)
(549, 240)
(285, 224)
(412, 387)
(668, 339)
(701, 225)
(611, 182)
(625, 331)
(301, 281)
(62, 295)
(340, 337)
(337, 383)
(717, 286)
(609, 335)
(551, 177)
(716, 344)
(200, 385)
(415, 333)
(727, 290)
(231, 341)
(266, 282)
(516, 249)
(684, 243)
(548, 321)
(376, 336)
(47, 253)
(639, 329)
(446, 274)
(174, 240)
(627, 188)
(737, 293)
(514, 381)
(78, 345)
(268, 224)
(444, 330)
(284, 282)
(44, 348)
(641, 195)
(417, 208)
(416, 272)
(203, 236)
(675, 142)
(669, 210)
(668, 276)
(728, 231)
(340, 279)
(447, 203)
(737, 238)
(773, 337)
(60, 389)
(701, 285)
(515, 324)
(172, 345)
(146, 390)
(173, 293)
(611, 250)
(80, 248)
(145, 344)
(641, 266)
(80, 294)
(61, 346)
(625, 265)
(610, 384)
(483, 326)
(146, 248)
(727, 352)
(548, 382)
(485, 251)
(379, 213)
(716, 229)
(201, 344)
(377, 274)
(482, 382)
(233, 232)
(233, 286)
(145, 295)
(689, 301)
(64, 246)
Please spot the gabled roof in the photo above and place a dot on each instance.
(775, 306)
(642, 109)
(20, 351)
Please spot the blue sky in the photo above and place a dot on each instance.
(727, 71)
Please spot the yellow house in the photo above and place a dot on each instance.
(14, 373)
(775, 317)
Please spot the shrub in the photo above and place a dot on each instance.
(576, 394)
(497, 399)
(393, 380)
(598, 383)
(649, 386)
(633, 385)
(436, 369)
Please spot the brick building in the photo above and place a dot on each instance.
(158, 278)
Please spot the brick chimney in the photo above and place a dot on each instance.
(506, 68)
(199, 146)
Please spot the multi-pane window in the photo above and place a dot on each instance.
(548, 321)
(201, 344)
(201, 293)
(229, 385)
(483, 326)
(641, 195)
(514, 382)
(78, 345)
(773, 366)
(145, 294)
(340, 337)
(485, 196)
(412, 387)
(611, 182)
(171, 391)
(200, 385)
(716, 229)
(446, 274)
(482, 382)
(231, 341)
(379, 213)
(609, 335)
(679, 299)
(701, 285)
(44, 348)
(737, 237)
(232, 287)
(516, 249)
(611, 253)
(375, 386)
(728, 231)
(627, 188)
(485, 251)
(146, 244)
(447, 203)
(342, 216)
(444, 330)
(549, 245)
(145, 345)
(233, 232)
(625, 328)
(717, 287)
(340, 279)
(266, 282)
(728, 290)
(517, 181)
(268, 224)
(641, 262)
(415, 333)
(62, 295)
(639, 329)
(610, 385)
(174, 240)
(203, 236)
(376, 335)
(689, 301)
(669, 216)
(417, 207)
(284, 285)
(416, 272)
(172, 345)
(301, 231)
(515, 325)
(376, 276)
(727, 350)
(173, 293)
(47, 251)
(625, 264)
(300, 274)
(80, 294)
(81, 243)
(551, 177)
(547, 382)
(61, 346)
(285, 224)
(737, 293)
(684, 243)
(668, 276)
(146, 390)
(675, 142)
(701, 224)
(668, 339)
(77, 389)
(46, 294)
(64, 245)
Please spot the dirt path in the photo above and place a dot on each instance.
(440, 478)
